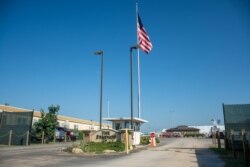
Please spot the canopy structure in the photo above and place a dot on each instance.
(183, 128)
(126, 119)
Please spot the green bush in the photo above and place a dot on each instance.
(145, 140)
(194, 135)
(100, 147)
(157, 140)
(80, 134)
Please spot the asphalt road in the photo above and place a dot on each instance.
(171, 152)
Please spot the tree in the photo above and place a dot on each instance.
(48, 122)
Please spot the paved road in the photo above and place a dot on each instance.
(180, 152)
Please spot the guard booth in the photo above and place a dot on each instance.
(123, 137)
(125, 123)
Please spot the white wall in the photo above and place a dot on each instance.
(71, 125)
(206, 129)
(137, 138)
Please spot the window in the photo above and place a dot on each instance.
(117, 126)
(126, 124)
(137, 126)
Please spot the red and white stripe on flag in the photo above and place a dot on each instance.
(143, 38)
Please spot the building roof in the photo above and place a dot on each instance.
(12, 109)
(182, 128)
(59, 117)
(71, 119)
(125, 119)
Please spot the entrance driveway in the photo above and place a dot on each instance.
(180, 152)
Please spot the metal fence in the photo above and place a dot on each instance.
(11, 138)
(237, 118)
(15, 125)
(16, 129)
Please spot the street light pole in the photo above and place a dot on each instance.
(131, 82)
(100, 53)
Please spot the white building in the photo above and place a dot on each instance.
(63, 121)
(207, 129)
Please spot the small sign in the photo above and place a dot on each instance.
(105, 135)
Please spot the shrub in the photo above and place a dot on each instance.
(157, 140)
(145, 140)
(80, 135)
(117, 146)
(194, 135)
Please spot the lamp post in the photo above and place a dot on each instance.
(131, 81)
(100, 53)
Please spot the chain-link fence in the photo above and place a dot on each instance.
(15, 126)
(12, 138)
(236, 118)
(16, 129)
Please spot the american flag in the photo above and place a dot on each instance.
(143, 38)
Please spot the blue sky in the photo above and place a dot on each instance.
(200, 57)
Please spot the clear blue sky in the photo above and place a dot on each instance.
(200, 59)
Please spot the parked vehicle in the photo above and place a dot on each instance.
(170, 134)
(60, 134)
(61, 131)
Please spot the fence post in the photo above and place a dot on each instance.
(42, 137)
(218, 139)
(225, 141)
(54, 137)
(232, 142)
(27, 138)
(10, 137)
(214, 138)
(126, 141)
(83, 135)
(65, 137)
(245, 147)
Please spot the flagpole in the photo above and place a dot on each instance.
(138, 64)
(108, 108)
